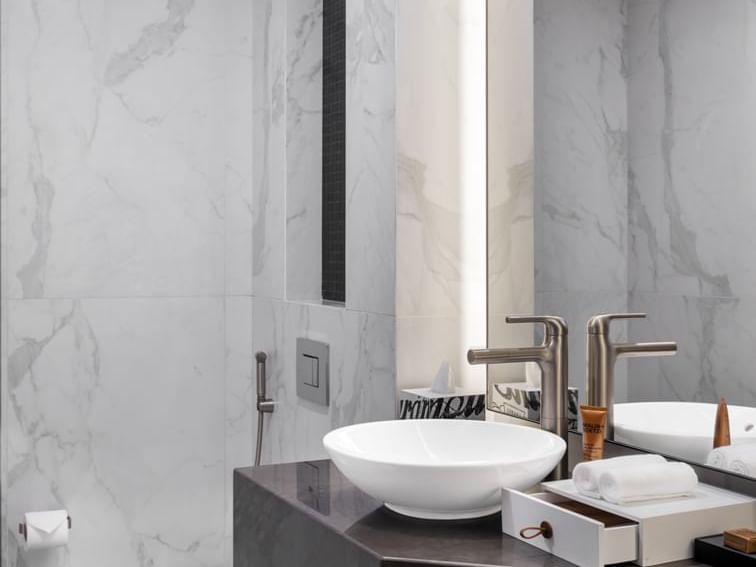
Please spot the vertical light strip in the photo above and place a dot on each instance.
(472, 186)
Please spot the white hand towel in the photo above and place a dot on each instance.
(647, 482)
(586, 475)
(740, 458)
(719, 457)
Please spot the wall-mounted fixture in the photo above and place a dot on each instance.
(264, 404)
(312, 371)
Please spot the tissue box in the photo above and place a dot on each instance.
(523, 400)
(422, 403)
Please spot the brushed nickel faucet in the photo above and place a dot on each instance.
(551, 356)
(601, 354)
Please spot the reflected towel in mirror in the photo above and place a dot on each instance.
(740, 458)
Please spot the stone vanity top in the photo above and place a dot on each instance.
(307, 513)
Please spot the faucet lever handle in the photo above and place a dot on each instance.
(555, 326)
(599, 324)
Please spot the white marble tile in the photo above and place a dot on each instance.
(428, 216)
(3, 273)
(4, 539)
(580, 146)
(269, 147)
(370, 157)
(365, 386)
(362, 386)
(715, 340)
(238, 132)
(510, 169)
(304, 140)
(240, 411)
(270, 336)
(511, 261)
(120, 174)
(428, 252)
(580, 174)
(116, 413)
(690, 142)
(691, 165)
(131, 177)
(690, 209)
(645, 78)
(4, 534)
(438, 273)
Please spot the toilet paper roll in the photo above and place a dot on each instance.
(46, 529)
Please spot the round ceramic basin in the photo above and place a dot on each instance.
(679, 429)
(442, 468)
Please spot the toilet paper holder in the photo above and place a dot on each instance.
(22, 527)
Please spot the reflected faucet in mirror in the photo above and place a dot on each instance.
(551, 356)
(601, 355)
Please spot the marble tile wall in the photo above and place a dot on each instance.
(371, 155)
(644, 145)
(90, 427)
(134, 228)
(361, 373)
(510, 178)
(127, 296)
(691, 202)
(269, 147)
(361, 333)
(428, 202)
(433, 274)
(3, 278)
(304, 137)
(580, 204)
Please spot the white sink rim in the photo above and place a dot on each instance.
(329, 438)
(433, 489)
(690, 441)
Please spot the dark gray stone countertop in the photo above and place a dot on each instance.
(309, 514)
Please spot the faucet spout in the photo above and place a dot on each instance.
(636, 350)
(551, 356)
(506, 355)
(601, 355)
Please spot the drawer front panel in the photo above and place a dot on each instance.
(576, 538)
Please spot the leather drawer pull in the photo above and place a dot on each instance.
(544, 529)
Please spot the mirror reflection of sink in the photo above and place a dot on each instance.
(680, 429)
(442, 469)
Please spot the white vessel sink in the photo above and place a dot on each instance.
(442, 469)
(680, 429)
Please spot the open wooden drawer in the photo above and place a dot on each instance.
(593, 532)
(581, 534)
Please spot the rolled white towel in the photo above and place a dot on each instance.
(740, 458)
(586, 475)
(647, 482)
(719, 457)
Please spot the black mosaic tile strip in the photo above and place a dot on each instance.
(334, 150)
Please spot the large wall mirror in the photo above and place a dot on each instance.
(643, 200)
